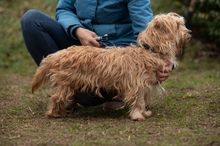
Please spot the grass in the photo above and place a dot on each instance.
(187, 114)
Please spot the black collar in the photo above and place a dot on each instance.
(147, 47)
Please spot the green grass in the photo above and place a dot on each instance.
(187, 114)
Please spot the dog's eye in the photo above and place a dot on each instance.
(180, 24)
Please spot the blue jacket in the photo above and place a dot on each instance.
(122, 20)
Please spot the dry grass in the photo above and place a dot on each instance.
(188, 114)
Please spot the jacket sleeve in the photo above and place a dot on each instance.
(66, 16)
(140, 13)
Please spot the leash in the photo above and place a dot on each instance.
(103, 40)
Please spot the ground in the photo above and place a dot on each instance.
(187, 114)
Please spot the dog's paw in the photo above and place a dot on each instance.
(147, 113)
(137, 116)
(53, 116)
(56, 115)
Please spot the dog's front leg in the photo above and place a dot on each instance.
(147, 98)
(56, 108)
(137, 109)
(58, 102)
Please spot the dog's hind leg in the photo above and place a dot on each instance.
(59, 99)
(137, 108)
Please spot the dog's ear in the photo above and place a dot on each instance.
(173, 14)
(162, 27)
(159, 25)
(158, 30)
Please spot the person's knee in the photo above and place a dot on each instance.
(28, 18)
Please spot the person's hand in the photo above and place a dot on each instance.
(162, 75)
(86, 37)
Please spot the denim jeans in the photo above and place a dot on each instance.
(43, 35)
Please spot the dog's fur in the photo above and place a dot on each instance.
(130, 71)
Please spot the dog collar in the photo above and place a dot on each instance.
(147, 47)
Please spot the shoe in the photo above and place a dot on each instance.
(113, 105)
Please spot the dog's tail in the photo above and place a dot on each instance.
(41, 76)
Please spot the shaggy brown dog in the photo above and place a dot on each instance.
(130, 71)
